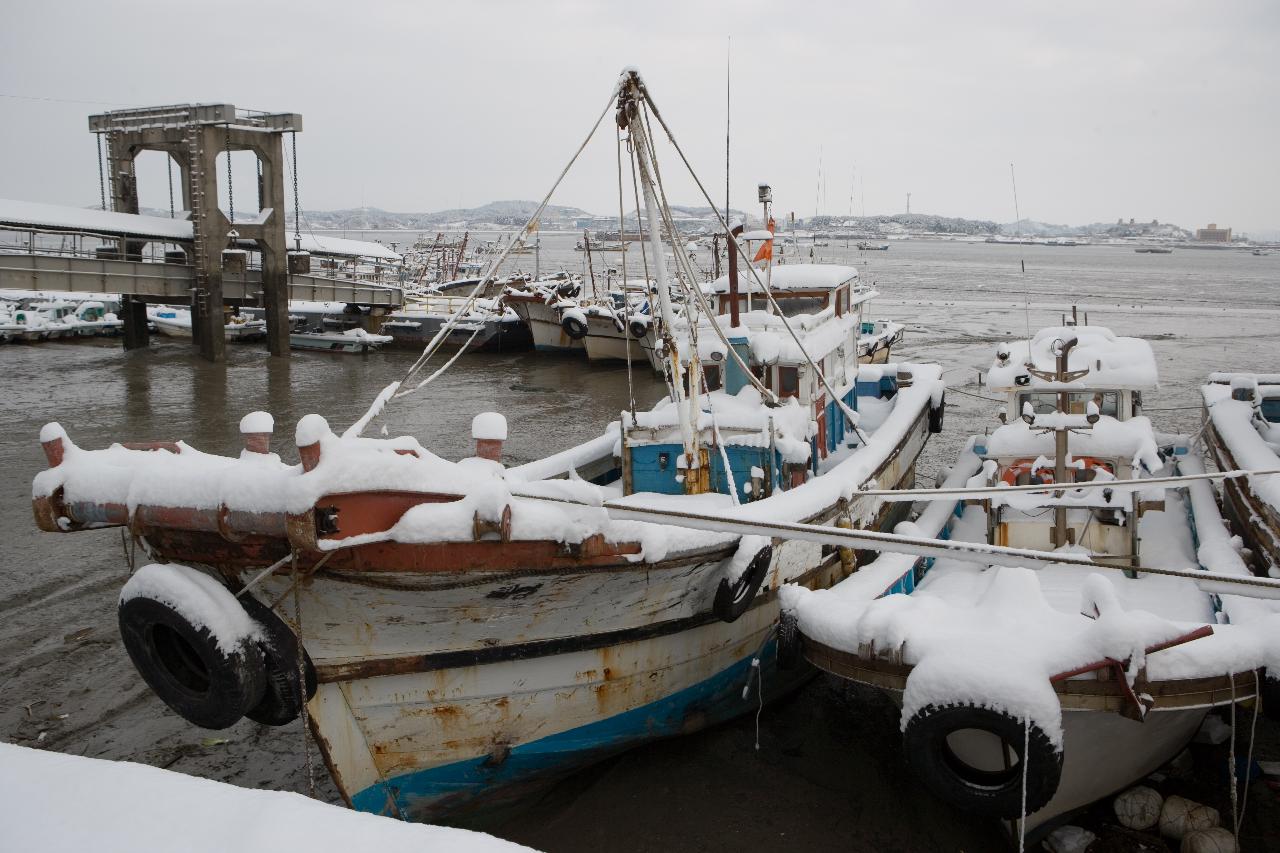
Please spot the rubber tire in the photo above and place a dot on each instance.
(732, 600)
(574, 328)
(790, 651)
(168, 652)
(638, 330)
(979, 792)
(1269, 693)
(936, 415)
(280, 703)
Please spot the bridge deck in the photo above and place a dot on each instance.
(160, 282)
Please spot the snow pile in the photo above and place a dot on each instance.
(1112, 361)
(198, 598)
(1132, 440)
(257, 422)
(123, 807)
(489, 426)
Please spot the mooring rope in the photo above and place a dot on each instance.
(1026, 756)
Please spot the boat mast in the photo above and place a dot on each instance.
(629, 114)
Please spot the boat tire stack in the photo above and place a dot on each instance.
(205, 682)
(987, 793)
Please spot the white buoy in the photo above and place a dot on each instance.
(1180, 816)
(1213, 840)
(1139, 807)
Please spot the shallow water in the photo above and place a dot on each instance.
(827, 770)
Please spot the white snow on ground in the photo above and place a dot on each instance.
(51, 803)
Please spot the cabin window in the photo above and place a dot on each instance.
(1046, 402)
(792, 306)
(1269, 407)
(711, 377)
(763, 374)
(788, 382)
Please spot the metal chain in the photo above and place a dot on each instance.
(231, 197)
(169, 158)
(297, 210)
(102, 175)
(302, 683)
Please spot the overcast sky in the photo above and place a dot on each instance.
(1165, 110)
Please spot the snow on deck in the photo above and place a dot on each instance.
(993, 636)
(1113, 362)
(122, 807)
(1253, 442)
(93, 221)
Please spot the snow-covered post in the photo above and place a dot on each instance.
(51, 435)
(311, 429)
(489, 429)
(256, 429)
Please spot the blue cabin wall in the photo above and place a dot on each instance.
(648, 474)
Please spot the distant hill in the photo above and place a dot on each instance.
(694, 218)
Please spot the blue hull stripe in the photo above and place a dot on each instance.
(426, 794)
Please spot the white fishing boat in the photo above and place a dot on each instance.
(350, 341)
(479, 324)
(1242, 412)
(1059, 644)
(176, 323)
(472, 630)
(551, 312)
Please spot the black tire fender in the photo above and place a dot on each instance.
(734, 599)
(790, 644)
(183, 665)
(1269, 694)
(280, 703)
(574, 328)
(638, 329)
(936, 414)
(982, 792)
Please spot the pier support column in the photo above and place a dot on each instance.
(272, 245)
(133, 312)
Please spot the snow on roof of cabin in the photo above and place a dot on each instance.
(1113, 362)
(792, 277)
(65, 217)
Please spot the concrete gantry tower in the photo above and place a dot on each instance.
(193, 135)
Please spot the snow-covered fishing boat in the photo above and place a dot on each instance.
(550, 311)
(1243, 431)
(476, 630)
(1038, 685)
(350, 341)
(176, 323)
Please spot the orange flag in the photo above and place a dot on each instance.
(766, 248)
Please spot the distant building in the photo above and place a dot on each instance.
(1213, 234)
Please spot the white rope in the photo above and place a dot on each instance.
(850, 415)
(1253, 730)
(724, 453)
(1026, 755)
(434, 344)
(1231, 764)
(268, 570)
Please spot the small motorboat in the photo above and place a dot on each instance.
(176, 323)
(350, 341)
